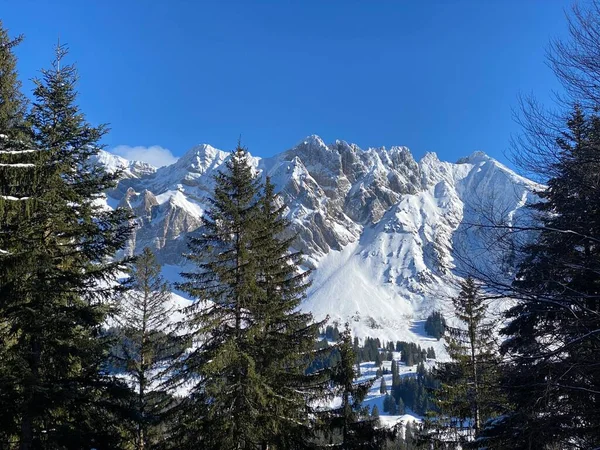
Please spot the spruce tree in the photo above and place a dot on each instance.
(56, 281)
(382, 386)
(553, 343)
(286, 341)
(146, 345)
(395, 374)
(253, 345)
(220, 411)
(16, 173)
(468, 395)
(351, 423)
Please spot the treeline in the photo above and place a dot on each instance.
(412, 391)
(371, 350)
(410, 353)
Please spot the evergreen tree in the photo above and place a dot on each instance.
(552, 333)
(13, 105)
(285, 344)
(146, 345)
(430, 353)
(357, 429)
(55, 279)
(400, 406)
(221, 408)
(395, 374)
(382, 386)
(15, 168)
(468, 395)
(435, 325)
(253, 346)
(389, 405)
(375, 415)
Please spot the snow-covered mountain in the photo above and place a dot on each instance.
(381, 230)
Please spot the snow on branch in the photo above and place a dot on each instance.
(18, 165)
(8, 197)
(15, 152)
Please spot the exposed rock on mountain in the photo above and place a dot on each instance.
(381, 228)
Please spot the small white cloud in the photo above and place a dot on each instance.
(155, 154)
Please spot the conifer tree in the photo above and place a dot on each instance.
(375, 414)
(286, 341)
(146, 345)
(395, 374)
(55, 281)
(553, 377)
(357, 429)
(468, 395)
(250, 386)
(15, 167)
(221, 408)
(382, 386)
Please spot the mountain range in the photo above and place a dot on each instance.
(386, 236)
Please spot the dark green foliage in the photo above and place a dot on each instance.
(369, 351)
(375, 414)
(326, 356)
(13, 187)
(351, 426)
(146, 346)
(382, 386)
(553, 330)
(250, 384)
(414, 391)
(411, 353)
(12, 101)
(401, 409)
(332, 333)
(468, 394)
(52, 302)
(389, 405)
(395, 375)
(435, 325)
(430, 353)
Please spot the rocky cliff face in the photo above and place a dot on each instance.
(381, 228)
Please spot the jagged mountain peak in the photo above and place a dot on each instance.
(128, 168)
(312, 140)
(201, 157)
(476, 157)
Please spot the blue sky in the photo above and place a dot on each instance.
(432, 75)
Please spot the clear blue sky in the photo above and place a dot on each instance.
(432, 75)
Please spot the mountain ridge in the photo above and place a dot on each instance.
(380, 228)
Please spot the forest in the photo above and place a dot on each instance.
(91, 358)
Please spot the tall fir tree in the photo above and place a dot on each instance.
(468, 394)
(552, 336)
(16, 173)
(286, 338)
(146, 346)
(56, 280)
(248, 369)
(220, 411)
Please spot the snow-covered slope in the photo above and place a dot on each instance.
(381, 230)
